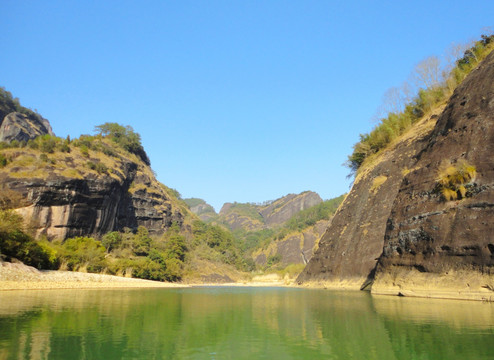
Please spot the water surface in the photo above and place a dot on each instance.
(239, 323)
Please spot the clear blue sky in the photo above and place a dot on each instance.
(234, 100)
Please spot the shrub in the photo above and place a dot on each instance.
(84, 151)
(3, 161)
(273, 260)
(125, 137)
(47, 143)
(310, 216)
(145, 268)
(451, 179)
(15, 243)
(99, 167)
(395, 124)
(84, 251)
(141, 242)
(111, 240)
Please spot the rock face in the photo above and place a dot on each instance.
(62, 195)
(21, 127)
(351, 246)
(427, 232)
(283, 209)
(201, 208)
(297, 248)
(253, 217)
(395, 212)
(61, 207)
(204, 211)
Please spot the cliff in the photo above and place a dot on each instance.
(202, 209)
(295, 248)
(445, 227)
(421, 209)
(252, 217)
(87, 186)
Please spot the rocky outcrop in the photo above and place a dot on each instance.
(202, 209)
(351, 246)
(397, 214)
(433, 233)
(21, 127)
(295, 248)
(252, 217)
(65, 194)
(284, 208)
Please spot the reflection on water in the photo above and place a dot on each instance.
(239, 323)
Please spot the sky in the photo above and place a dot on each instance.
(241, 101)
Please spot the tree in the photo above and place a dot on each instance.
(125, 137)
(427, 73)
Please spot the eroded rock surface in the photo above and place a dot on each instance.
(395, 212)
(426, 231)
(21, 127)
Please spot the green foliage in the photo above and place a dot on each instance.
(99, 167)
(249, 240)
(141, 242)
(308, 217)
(83, 252)
(47, 144)
(175, 247)
(15, 243)
(145, 268)
(84, 151)
(219, 239)
(396, 124)
(273, 260)
(191, 202)
(3, 160)
(246, 209)
(175, 193)
(125, 137)
(10, 104)
(84, 141)
(112, 240)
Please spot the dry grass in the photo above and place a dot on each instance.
(452, 178)
(377, 182)
(418, 130)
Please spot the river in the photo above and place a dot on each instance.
(239, 323)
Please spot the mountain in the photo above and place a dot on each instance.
(252, 217)
(201, 208)
(94, 204)
(418, 220)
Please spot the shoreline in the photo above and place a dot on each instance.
(17, 276)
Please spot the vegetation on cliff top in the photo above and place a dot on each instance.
(435, 86)
(9, 104)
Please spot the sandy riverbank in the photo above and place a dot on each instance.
(16, 276)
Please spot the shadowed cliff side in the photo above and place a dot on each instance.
(425, 204)
(441, 221)
(350, 247)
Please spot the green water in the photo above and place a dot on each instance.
(239, 323)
